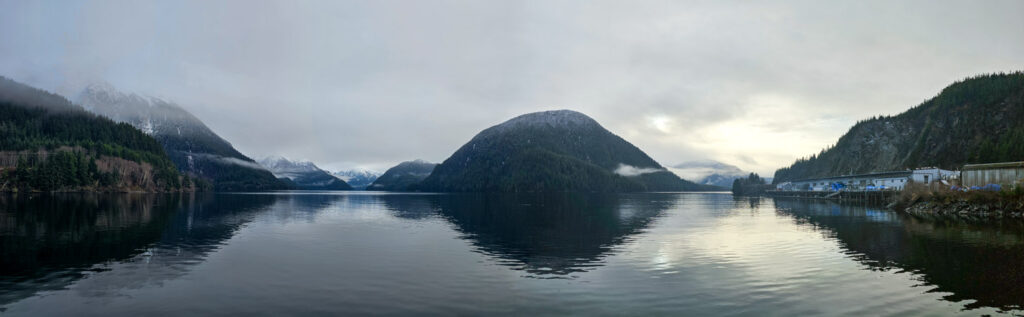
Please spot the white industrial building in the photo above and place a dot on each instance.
(895, 180)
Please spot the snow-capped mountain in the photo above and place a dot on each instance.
(190, 144)
(283, 167)
(152, 115)
(709, 172)
(303, 174)
(357, 178)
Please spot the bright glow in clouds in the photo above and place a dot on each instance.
(374, 83)
(662, 124)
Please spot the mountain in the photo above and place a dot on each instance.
(303, 174)
(403, 177)
(559, 150)
(49, 144)
(976, 120)
(708, 172)
(190, 144)
(357, 178)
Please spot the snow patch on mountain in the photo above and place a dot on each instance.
(282, 167)
(567, 119)
(357, 178)
(154, 116)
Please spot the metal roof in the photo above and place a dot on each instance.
(993, 165)
(868, 175)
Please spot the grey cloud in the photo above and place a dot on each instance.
(357, 83)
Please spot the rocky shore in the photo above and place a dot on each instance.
(964, 209)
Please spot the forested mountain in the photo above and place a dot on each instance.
(303, 174)
(976, 120)
(49, 144)
(190, 144)
(358, 178)
(551, 151)
(403, 177)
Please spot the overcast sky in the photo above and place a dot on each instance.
(373, 83)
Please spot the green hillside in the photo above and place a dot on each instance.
(59, 146)
(976, 120)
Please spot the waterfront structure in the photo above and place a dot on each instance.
(928, 175)
(893, 180)
(1006, 174)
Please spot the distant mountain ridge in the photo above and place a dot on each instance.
(303, 174)
(190, 144)
(977, 120)
(559, 150)
(357, 178)
(405, 176)
(709, 172)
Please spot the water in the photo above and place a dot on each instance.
(399, 254)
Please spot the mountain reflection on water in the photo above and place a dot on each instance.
(50, 241)
(979, 262)
(476, 254)
(542, 234)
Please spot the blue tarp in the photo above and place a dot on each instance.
(989, 187)
(837, 186)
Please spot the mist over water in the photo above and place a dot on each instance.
(365, 252)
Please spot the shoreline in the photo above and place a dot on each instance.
(964, 209)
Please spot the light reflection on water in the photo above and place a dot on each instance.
(364, 252)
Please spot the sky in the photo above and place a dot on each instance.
(368, 84)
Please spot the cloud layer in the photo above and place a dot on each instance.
(373, 83)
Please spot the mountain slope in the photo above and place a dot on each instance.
(403, 177)
(358, 179)
(47, 143)
(551, 151)
(303, 174)
(190, 144)
(976, 120)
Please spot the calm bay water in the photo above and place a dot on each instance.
(376, 253)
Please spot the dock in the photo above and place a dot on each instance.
(868, 196)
